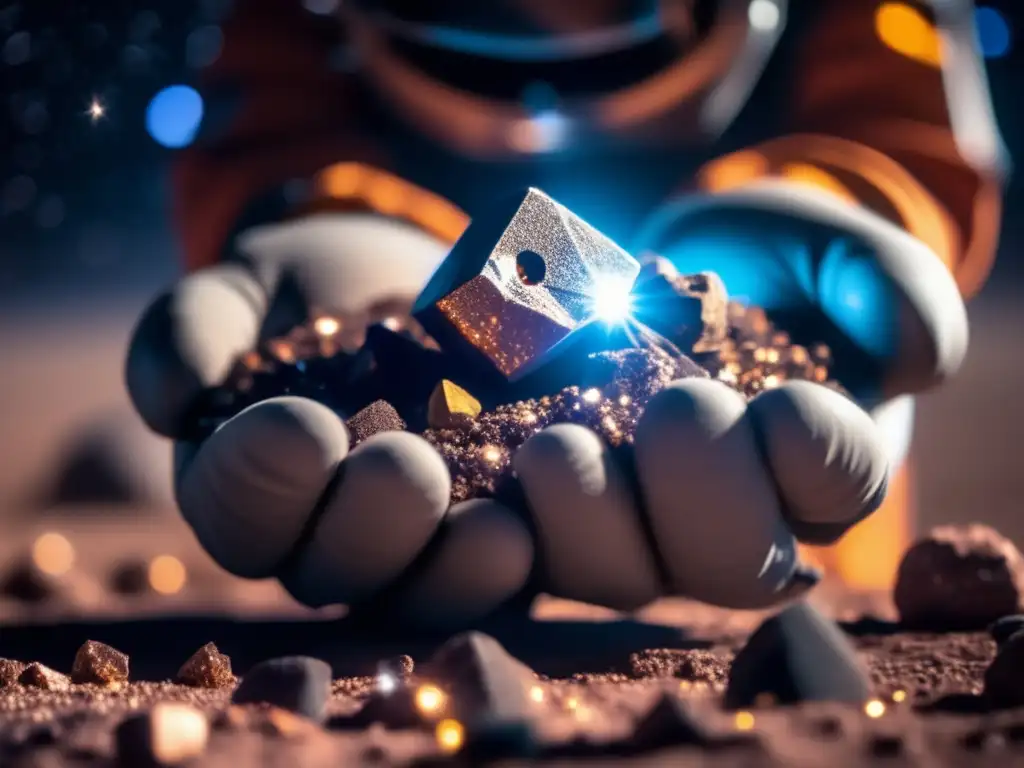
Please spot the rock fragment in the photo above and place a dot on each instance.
(959, 578)
(36, 675)
(796, 656)
(378, 416)
(10, 671)
(299, 684)
(206, 668)
(99, 664)
(166, 735)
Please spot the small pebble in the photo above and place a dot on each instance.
(485, 682)
(168, 734)
(10, 671)
(959, 578)
(796, 656)
(297, 683)
(36, 675)
(378, 416)
(99, 664)
(207, 668)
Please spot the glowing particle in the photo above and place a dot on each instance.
(449, 735)
(429, 699)
(491, 453)
(537, 694)
(874, 708)
(386, 683)
(96, 110)
(592, 396)
(326, 326)
(744, 721)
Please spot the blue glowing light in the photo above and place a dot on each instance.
(993, 32)
(173, 116)
(612, 301)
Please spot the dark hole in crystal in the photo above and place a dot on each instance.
(530, 267)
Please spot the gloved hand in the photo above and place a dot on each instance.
(276, 492)
(826, 271)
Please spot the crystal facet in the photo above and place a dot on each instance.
(451, 406)
(520, 281)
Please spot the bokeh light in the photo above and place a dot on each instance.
(906, 30)
(53, 554)
(167, 575)
(994, 36)
(173, 116)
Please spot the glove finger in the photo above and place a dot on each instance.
(483, 558)
(187, 342)
(891, 294)
(593, 547)
(829, 463)
(249, 489)
(392, 493)
(338, 264)
(711, 503)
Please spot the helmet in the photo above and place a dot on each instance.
(529, 30)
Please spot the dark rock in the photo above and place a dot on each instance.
(485, 682)
(297, 683)
(168, 734)
(207, 668)
(110, 463)
(99, 664)
(959, 578)
(795, 656)
(1003, 629)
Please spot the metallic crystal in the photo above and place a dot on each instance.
(450, 406)
(690, 310)
(488, 295)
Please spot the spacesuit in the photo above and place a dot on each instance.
(834, 161)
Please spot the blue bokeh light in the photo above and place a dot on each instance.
(173, 116)
(993, 32)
